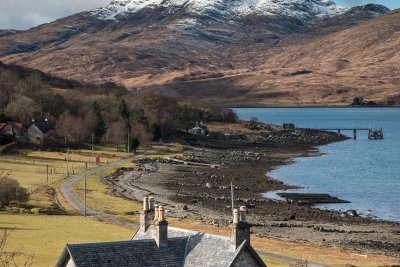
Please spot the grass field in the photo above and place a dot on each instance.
(33, 168)
(45, 236)
(29, 167)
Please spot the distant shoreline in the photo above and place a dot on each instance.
(333, 107)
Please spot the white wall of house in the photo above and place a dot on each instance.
(70, 263)
(35, 136)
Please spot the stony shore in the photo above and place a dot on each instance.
(198, 187)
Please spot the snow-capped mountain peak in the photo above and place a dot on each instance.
(302, 9)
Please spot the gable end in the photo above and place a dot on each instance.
(247, 256)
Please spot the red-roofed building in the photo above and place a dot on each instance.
(13, 129)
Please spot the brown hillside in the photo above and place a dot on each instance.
(252, 62)
(363, 60)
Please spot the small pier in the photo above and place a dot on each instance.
(372, 133)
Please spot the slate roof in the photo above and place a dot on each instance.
(203, 249)
(133, 253)
(43, 126)
(185, 248)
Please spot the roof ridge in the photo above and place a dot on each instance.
(199, 232)
(122, 242)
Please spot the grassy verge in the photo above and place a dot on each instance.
(99, 197)
(274, 263)
(45, 236)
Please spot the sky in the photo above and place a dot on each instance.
(24, 14)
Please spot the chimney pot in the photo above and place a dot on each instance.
(145, 203)
(156, 211)
(161, 214)
(151, 203)
(145, 215)
(235, 216)
(240, 228)
(243, 214)
(161, 228)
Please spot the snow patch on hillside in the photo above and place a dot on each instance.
(302, 9)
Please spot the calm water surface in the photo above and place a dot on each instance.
(365, 172)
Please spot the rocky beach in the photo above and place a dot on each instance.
(197, 185)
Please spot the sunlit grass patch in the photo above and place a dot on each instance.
(99, 197)
(46, 236)
(34, 169)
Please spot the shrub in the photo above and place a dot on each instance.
(10, 190)
(358, 101)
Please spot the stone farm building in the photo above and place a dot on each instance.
(11, 130)
(37, 131)
(34, 134)
(156, 244)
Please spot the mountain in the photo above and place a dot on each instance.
(225, 9)
(221, 51)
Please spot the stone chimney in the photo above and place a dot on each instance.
(147, 213)
(161, 228)
(240, 228)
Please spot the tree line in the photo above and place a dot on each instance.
(105, 113)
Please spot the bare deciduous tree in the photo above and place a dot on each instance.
(117, 133)
(13, 258)
(140, 132)
(74, 129)
(23, 109)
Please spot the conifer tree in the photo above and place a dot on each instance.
(99, 128)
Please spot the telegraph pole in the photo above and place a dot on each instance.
(233, 201)
(84, 193)
(47, 175)
(67, 162)
(128, 144)
(92, 145)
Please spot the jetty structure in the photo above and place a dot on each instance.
(372, 133)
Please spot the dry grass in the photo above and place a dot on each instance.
(234, 128)
(99, 197)
(46, 236)
(29, 168)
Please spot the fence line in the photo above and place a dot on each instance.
(54, 174)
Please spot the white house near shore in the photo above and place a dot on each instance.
(156, 244)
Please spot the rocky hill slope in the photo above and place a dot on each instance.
(243, 52)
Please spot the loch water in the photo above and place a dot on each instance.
(364, 172)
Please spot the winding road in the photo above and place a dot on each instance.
(66, 189)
